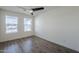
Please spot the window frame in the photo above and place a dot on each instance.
(30, 20)
(8, 24)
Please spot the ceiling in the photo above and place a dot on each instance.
(20, 9)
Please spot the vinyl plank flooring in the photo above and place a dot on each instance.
(32, 44)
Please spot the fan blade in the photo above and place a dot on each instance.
(22, 8)
(36, 9)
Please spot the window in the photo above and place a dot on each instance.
(27, 24)
(11, 24)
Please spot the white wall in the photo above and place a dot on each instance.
(20, 33)
(60, 25)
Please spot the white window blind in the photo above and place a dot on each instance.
(27, 24)
(11, 24)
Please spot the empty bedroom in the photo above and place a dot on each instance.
(39, 29)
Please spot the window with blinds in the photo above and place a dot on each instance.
(11, 24)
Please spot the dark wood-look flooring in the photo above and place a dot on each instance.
(32, 44)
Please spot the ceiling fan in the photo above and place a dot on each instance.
(32, 10)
